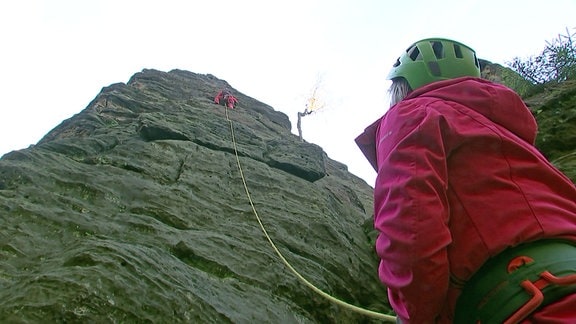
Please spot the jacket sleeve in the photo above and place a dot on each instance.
(411, 210)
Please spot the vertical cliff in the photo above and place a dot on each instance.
(134, 210)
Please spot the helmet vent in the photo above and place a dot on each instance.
(438, 49)
(414, 54)
(458, 51)
(397, 63)
(434, 68)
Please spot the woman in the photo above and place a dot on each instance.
(460, 185)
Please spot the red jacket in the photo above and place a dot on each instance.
(459, 180)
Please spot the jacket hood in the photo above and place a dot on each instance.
(496, 102)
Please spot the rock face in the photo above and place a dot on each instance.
(134, 211)
(555, 111)
(500, 74)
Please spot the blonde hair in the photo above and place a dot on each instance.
(398, 90)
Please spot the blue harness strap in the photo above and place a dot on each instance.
(518, 281)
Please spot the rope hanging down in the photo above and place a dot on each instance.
(385, 317)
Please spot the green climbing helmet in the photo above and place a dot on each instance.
(435, 59)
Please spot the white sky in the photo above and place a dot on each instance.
(56, 55)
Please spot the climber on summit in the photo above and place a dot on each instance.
(475, 225)
(227, 98)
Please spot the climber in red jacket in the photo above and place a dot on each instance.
(227, 98)
(475, 225)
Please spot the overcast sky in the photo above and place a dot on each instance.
(57, 55)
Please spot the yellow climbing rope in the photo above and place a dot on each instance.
(373, 314)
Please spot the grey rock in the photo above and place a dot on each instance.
(134, 211)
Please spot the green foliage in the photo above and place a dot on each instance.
(556, 63)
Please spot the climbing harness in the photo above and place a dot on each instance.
(385, 317)
(512, 285)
